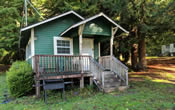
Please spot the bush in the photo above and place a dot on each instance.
(20, 78)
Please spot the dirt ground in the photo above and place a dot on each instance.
(160, 69)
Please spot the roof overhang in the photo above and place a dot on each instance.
(92, 18)
(50, 19)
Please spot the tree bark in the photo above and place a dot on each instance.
(142, 53)
(134, 51)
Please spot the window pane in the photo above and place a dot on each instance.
(67, 43)
(58, 42)
(63, 50)
(67, 50)
(63, 47)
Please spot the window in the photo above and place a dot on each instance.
(63, 46)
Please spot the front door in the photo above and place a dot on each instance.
(88, 47)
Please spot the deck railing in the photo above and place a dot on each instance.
(67, 64)
(61, 64)
(113, 64)
(97, 70)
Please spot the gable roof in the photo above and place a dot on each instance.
(50, 19)
(92, 18)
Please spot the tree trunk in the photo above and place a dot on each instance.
(134, 56)
(142, 53)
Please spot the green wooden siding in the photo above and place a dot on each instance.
(76, 46)
(46, 32)
(98, 26)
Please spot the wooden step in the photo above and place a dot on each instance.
(111, 89)
(112, 84)
(112, 81)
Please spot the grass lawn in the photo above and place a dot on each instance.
(142, 95)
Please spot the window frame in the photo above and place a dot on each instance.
(56, 38)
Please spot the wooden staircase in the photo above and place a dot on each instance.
(111, 81)
(109, 74)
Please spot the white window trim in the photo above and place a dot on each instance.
(62, 38)
(29, 42)
(32, 43)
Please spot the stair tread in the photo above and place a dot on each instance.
(110, 89)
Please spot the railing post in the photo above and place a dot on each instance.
(37, 81)
(111, 63)
(81, 72)
(103, 83)
(126, 77)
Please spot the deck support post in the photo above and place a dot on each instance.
(80, 33)
(72, 84)
(82, 82)
(37, 88)
(90, 81)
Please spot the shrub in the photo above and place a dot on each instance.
(20, 78)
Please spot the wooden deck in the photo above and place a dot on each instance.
(64, 76)
(67, 66)
(58, 66)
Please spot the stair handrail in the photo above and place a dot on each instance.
(99, 69)
(113, 64)
(114, 58)
(125, 77)
(99, 65)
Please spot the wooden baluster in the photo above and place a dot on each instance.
(67, 63)
(45, 63)
(85, 63)
(38, 64)
(51, 64)
(41, 62)
(60, 64)
(70, 63)
(48, 64)
(65, 58)
(54, 63)
(73, 65)
(75, 62)
(64, 64)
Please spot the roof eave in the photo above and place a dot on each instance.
(91, 18)
(50, 19)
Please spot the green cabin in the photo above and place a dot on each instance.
(68, 46)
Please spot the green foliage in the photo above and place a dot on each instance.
(11, 13)
(155, 43)
(20, 78)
